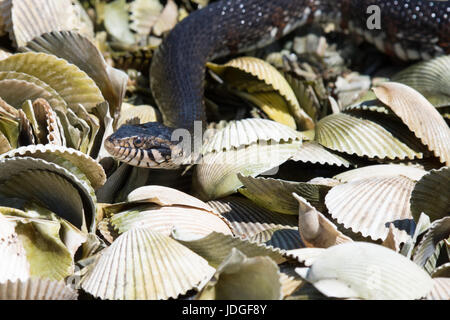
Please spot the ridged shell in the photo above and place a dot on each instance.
(53, 98)
(144, 15)
(36, 289)
(431, 78)
(432, 195)
(165, 196)
(48, 15)
(276, 194)
(249, 131)
(419, 115)
(137, 114)
(215, 247)
(145, 265)
(14, 166)
(80, 51)
(312, 152)
(248, 219)
(282, 238)
(15, 92)
(167, 19)
(440, 290)
(307, 256)
(216, 176)
(270, 76)
(352, 135)
(243, 278)
(50, 189)
(13, 261)
(91, 168)
(369, 205)
(164, 219)
(72, 84)
(367, 271)
(272, 104)
(430, 244)
(381, 170)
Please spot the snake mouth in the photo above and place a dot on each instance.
(143, 150)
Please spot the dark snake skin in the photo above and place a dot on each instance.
(410, 30)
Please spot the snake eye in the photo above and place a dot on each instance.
(138, 142)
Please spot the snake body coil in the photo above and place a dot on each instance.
(409, 29)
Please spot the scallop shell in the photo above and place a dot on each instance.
(167, 19)
(272, 104)
(165, 196)
(198, 220)
(430, 78)
(72, 84)
(13, 261)
(243, 278)
(370, 271)
(352, 135)
(312, 152)
(247, 132)
(419, 115)
(217, 177)
(427, 251)
(215, 247)
(247, 219)
(144, 14)
(48, 93)
(432, 195)
(282, 238)
(91, 168)
(46, 253)
(142, 264)
(440, 290)
(15, 166)
(276, 194)
(268, 74)
(47, 119)
(16, 92)
(50, 189)
(137, 115)
(49, 15)
(116, 21)
(315, 229)
(381, 170)
(306, 256)
(36, 289)
(369, 205)
(80, 51)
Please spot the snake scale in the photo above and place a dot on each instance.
(409, 29)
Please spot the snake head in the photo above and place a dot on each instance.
(147, 145)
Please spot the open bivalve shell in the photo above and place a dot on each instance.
(419, 115)
(36, 289)
(162, 209)
(248, 219)
(91, 168)
(369, 205)
(367, 271)
(79, 203)
(145, 265)
(431, 195)
(13, 261)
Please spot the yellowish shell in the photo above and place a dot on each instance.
(419, 115)
(36, 289)
(145, 265)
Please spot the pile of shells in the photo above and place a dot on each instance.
(313, 176)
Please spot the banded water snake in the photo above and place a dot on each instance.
(409, 29)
